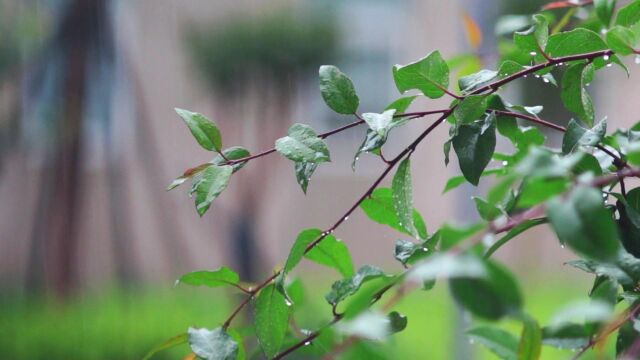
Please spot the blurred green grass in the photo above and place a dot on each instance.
(117, 324)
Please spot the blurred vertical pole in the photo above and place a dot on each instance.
(54, 250)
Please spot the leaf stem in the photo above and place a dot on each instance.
(618, 162)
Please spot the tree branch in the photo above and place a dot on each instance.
(407, 151)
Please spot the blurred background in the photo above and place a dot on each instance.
(90, 242)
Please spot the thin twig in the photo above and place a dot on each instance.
(617, 161)
(631, 312)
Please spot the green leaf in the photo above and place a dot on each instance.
(373, 141)
(203, 129)
(213, 344)
(232, 153)
(508, 68)
(512, 234)
(470, 109)
(582, 222)
(574, 95)
(605, 289)
(188, 174)
(587, 311)
(476, 80)
(500, 342)
(627, 337)
(208, 184)
(403, 196)
(576, 136)
(429, 75)
(568, 336)
(305, 237)
(490, 297)
(401, 105)
(302, 144)
(451, 235)
(380, 123)
(458, 180)
(337, 90)
(604, 10)
(574, 42)
(448, 266)
(530, 340)
(535, 38)
(408, 252)
(344, 288)
(296, 293)
(304, 170)
(626, 270)
(167, 344)
(621, 40)
(271, 319)
(398, 322)
(220, 277)
(629, 14)
(542, 163)
(486, 210)
(588, 163)
(629, 222)
(379, 207)
(333, 253)
(474, 144)
(534, 191)
(367, 325)
(368, 291)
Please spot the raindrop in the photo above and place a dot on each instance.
(560, 64)
(525, 76)
(588, 84)
(471, 341)
(287, 302)
(606, 58)
(545, 80)
(533, 53)
(609, 65)
(505, 163)
(357, 158)
(637, 61)
(346, 218)
(307, 343)
(176, 283)
(537, 76)
(562, 246)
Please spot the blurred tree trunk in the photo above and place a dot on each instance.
(54, 251)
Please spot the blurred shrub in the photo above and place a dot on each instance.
(273, 47)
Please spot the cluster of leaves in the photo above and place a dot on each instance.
(572, 188)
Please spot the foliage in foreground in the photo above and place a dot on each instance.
(574, 189)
